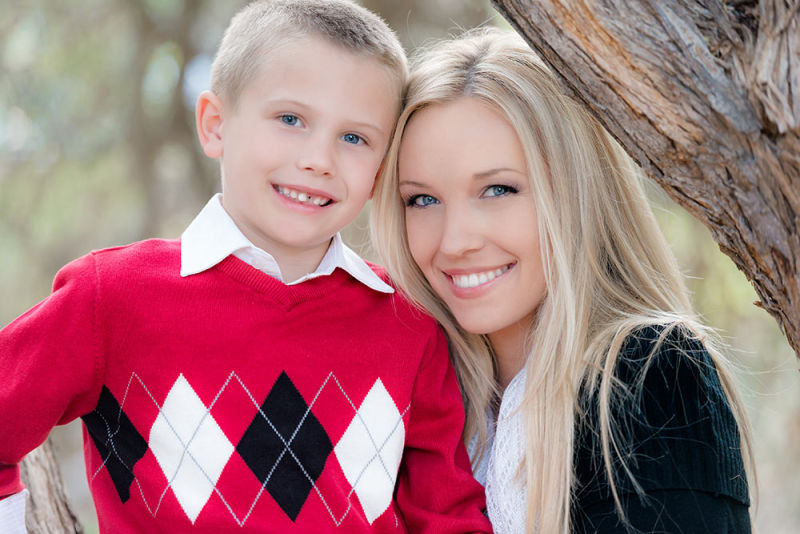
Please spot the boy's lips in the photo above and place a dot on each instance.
(309, 197)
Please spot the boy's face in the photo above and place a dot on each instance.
(302, 146)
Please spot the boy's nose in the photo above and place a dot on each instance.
(317, 156)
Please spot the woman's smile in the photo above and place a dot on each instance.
(474, 279)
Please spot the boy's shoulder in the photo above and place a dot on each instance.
(141, 249)
(141, 255)
(125, 262)
(403, 308)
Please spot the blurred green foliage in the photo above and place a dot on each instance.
(97, 148)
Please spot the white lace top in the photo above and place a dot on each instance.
(497, 470)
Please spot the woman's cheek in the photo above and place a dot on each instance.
(421, 232)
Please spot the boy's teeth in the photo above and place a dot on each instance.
(467, 281)
(303, 198)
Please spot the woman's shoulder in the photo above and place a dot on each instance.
(671, 420)
(669, 387)
(661, 368)
(656, 349)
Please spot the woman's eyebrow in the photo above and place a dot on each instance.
(491, 172)
(411, 182)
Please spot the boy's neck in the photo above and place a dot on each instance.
(293, 262)
(294, 266)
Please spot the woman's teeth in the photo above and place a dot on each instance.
(467, 281)
(303, 198)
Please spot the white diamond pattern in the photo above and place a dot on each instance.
(370, 451)
(189, 446)
(192, 450)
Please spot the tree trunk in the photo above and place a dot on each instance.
(48, 511)
(705, 96)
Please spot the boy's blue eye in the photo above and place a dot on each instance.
(290, 120)
(498, 190)
(353, 139)
(421, 201)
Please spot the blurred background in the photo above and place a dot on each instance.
(97, 148)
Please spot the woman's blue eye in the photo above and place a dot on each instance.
(421, 201)
(290, 120)
(353, 139)
(498, 190)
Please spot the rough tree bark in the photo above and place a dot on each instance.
(705, 95)
(48, 510)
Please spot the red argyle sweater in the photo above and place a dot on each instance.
(229, 402)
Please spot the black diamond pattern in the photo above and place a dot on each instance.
(117, 440)
(261, 447)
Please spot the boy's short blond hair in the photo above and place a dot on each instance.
(265, 25)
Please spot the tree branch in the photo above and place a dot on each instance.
(706, 105)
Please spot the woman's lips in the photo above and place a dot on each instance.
(468, 282)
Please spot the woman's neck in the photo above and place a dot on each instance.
(509, 347)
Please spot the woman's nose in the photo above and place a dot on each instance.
(461, 233)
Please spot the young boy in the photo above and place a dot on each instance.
(255, 375)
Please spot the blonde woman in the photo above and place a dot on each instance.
(596, 401)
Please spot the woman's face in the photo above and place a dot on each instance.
(470, 215)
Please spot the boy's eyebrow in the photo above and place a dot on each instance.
(368, 125)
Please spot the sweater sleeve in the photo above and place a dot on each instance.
(49, 360)
(436, 492)
(680, 442)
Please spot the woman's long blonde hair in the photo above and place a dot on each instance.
(608, 269)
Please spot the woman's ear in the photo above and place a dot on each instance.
(208, 120)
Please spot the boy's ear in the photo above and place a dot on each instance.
(208, 120)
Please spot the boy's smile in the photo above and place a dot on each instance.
(301, 147)
(303, 196)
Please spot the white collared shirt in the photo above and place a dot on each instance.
(212, 236)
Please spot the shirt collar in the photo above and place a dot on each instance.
(342, 256)
(213, 236)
